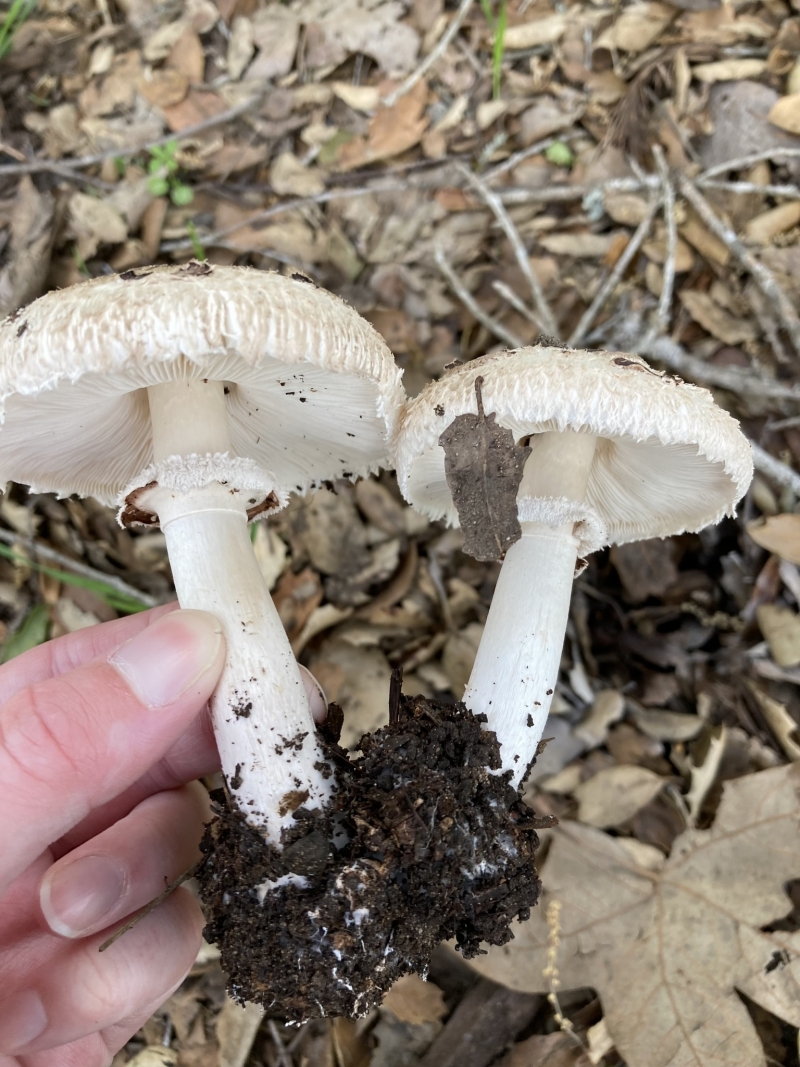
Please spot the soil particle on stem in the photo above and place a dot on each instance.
(422, 843)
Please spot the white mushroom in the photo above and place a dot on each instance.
(619, 452)
(197, 396)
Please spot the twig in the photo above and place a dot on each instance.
(495, 204)
(508, 294)
(761, 276)
(283, 1056)
(435, 53)
(775, 469)
(784, 424)
(526, 153)
(36, 165)
(145, 911)
(788, 192)
(679, 360)
(611, 282)
(279, 209)
(83, 569)
(559, 193)
(745, 162)
(469, 302)
(668, 274)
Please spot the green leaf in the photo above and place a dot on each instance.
(158, 186)
(31, 633)
(560, 154)
(181, 194)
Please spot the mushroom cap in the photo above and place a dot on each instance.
(668, 458)
(314, 392)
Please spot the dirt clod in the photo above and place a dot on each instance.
(423, 843)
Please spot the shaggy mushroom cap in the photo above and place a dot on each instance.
(668, 459)
(311, 388)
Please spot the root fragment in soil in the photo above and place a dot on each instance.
(422, 844)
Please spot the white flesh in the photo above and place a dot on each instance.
(516, 668)
(270, 756)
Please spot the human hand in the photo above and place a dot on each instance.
(99, 733)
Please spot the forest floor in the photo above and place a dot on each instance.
(468, 178)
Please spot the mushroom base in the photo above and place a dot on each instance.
(422, 844)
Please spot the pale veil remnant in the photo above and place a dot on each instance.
(198, 396)
(619, 452)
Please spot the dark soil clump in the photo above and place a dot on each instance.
(422, 844)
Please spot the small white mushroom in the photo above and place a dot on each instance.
(197, 397)
(619, 452)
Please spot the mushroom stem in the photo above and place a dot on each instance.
(516, 668)
(262, 720)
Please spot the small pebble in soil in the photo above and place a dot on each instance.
(423, 843)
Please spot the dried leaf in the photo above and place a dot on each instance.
(667, 944)
(579, 245)
(24, 273)
(645, 568)
(779, 721)
(484, 466)
(154, 1056)
(289, 177)
(785, 113)
(163, 88)
(413, 1000)
(392, 130)
(781, 629)
(728, 70)
(546, 1050)
(666, 725)
(608, 707)
(779, 534)
(545, 30)
(637, 27)
(715, 320)
(236, 1031)
(241, 46)
(769, 224)
(614, 795)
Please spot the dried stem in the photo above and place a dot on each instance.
(775, 469)
(788, 192)
(495, 204)
(507, 293)
(435, 54)
(611, 282)
(763, 277)
(469, 302)
(668, 274)
(745, 162)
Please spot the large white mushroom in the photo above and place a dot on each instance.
(196, 397)
(619, 452)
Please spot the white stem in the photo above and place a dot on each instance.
(262, 721)
(516, 668)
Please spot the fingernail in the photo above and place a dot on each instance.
(22, 1020)
(317, 701)
(167, 658)
(77, 896)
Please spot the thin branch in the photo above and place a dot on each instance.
(745, 162)
(507, 293)
(66, 166)
(435, 54)
(469, 302)
(612, 281)
(145, 911)
(284, 1058)
(557, 193)
(526, 153)
(788, 192)
(761, 276)
(779, 472)
(280, 209)
(44, 552)
(679, 360)
(668, 274)
(495, 204)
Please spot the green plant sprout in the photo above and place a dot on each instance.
(163, 168)
(19, 12)
(559, 154)
(197, 244)
(498, 24)
(32, 632)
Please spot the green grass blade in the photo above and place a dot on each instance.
(499, 49)
(128, 605)
(31, 633)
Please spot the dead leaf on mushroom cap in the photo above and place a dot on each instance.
(667, 943)
(484, 466)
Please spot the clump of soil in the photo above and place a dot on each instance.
(422, 844)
